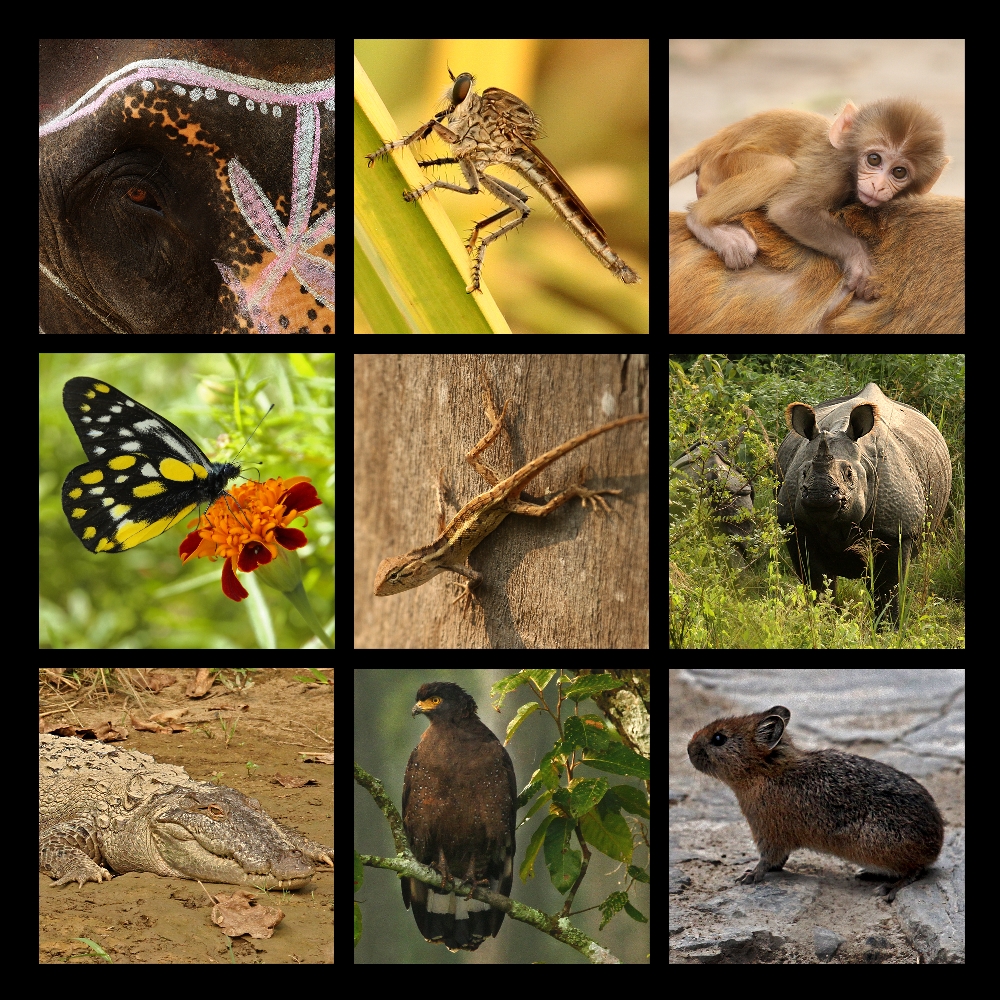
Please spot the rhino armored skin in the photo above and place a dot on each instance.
(98, 804)
(858, 473)
(707, 464)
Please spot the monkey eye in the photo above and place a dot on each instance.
(899, 173)
(873, 159)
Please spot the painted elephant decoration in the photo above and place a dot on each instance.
(186, 186)
(861, 475)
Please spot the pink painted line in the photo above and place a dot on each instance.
(192, 75)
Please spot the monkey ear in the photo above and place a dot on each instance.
(842, 125)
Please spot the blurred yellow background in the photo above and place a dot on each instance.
(592, 97)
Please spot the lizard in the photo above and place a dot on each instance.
(481, 515)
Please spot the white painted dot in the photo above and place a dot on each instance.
(210, 94)
(233, 100)
(276, 111)
(147, 85)
(250, 105)
(178, 90)
(196, 94)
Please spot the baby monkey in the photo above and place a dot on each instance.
(801, 168)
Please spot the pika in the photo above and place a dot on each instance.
(854, 807)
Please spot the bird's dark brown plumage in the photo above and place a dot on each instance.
(459, 797)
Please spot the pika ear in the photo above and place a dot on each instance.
(842, 125)
(770, 731)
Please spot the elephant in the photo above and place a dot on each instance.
(186, 186)
(861, 477)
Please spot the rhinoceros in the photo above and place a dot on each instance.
(730, 492)
(860, 474)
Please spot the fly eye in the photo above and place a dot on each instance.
(461, 89)
(143, 196)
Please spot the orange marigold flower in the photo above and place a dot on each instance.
(247, 525)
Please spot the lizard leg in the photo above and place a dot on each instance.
(466, 588)
(496, 425)
(578, 490)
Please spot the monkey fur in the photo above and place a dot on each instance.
(800, 167)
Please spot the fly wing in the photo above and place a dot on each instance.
(521, 125)
(569, 194)
(514, 117)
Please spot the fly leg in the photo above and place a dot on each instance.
(500, 190)
(434, 125)
(471, 241)
(473, 180)
(517, 194)
(509, 195)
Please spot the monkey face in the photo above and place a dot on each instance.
(897, 147)
(882, 174)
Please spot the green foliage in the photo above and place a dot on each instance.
(716, 601)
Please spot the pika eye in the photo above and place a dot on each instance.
(143, 196)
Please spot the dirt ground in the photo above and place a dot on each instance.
(139, 917)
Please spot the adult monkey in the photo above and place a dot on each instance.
(802, 168)
(917, 247)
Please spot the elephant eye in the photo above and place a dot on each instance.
(143, 196)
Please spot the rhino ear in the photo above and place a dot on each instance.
(863, 418)
(801, 418)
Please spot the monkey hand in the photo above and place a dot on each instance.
(731, 242)
(858, 275)
(735, 246)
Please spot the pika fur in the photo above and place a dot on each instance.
(854, 807)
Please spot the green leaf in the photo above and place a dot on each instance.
(411, 267)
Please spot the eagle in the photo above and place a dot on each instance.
(459, 813)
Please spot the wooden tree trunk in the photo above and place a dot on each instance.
(575, 579)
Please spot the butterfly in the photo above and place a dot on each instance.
(144, 474)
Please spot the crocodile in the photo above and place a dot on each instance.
(104, 809)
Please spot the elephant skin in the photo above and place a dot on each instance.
(860, 474)
(186, 186)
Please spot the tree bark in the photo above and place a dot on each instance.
(575, 579)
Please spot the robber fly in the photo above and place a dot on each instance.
(497, 127)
